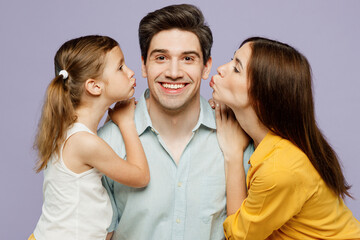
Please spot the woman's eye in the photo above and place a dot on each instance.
(235, 70)
(121, 67)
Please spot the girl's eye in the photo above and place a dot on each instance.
(235, 70)
(121, 67)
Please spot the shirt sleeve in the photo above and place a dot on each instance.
(109, 186)
(110, 133)
(273, 198)
(247, 154)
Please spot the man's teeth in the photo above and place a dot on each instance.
(173, 86)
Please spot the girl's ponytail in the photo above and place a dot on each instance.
(57, 115)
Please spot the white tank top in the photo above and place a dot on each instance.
(76, 206)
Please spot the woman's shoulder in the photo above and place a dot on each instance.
(286, 162)
(290, 157)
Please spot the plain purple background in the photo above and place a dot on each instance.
(326, 32)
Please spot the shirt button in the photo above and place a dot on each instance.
(178, 220)
(179, 184)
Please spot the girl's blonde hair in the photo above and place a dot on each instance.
(82, 58)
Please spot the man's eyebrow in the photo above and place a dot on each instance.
(158, 51)
(192, 52)
(239, 62)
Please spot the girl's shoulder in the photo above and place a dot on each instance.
(84, 143)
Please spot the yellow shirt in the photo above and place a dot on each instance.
(287, 199)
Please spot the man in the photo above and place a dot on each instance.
(185, 198)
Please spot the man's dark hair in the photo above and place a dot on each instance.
(184, 17)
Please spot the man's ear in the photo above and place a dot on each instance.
(143, 68)
(207, 68)
(93, 87)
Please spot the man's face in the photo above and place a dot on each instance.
(174, 69)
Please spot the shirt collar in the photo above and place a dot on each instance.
(265, 147)
(207, 115)
(142, 117)
(143, 120)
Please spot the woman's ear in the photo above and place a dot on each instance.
(93, 87)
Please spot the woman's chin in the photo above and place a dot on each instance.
(216, 98)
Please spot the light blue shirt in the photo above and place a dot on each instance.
(182, 201)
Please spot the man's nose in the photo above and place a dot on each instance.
(174, 70)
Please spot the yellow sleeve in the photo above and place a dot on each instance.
(273, 198)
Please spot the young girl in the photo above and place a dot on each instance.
(295, 186)
(91, 75)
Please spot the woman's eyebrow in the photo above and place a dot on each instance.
(238, 61)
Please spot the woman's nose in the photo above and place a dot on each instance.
(221, 70)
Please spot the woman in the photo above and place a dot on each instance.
(295, 186)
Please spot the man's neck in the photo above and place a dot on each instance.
(178, 122)
(174, 127)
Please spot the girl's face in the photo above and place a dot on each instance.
(231, 84)
(119, 81)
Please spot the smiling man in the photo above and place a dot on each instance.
(185, 198)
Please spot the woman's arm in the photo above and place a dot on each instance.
(273, 198)
(233, 142)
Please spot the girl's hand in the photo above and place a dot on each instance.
(231, 137)
(123, 113)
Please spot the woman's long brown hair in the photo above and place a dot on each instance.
(281, 93)
(82, 58)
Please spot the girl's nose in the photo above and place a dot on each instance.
(130, 72)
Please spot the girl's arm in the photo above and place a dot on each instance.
(233, 142)
(123, 115)
(91, 150)
(109, 235)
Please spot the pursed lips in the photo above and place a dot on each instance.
(212, 82)
(134, 80)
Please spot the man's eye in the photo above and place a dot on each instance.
(160, 58)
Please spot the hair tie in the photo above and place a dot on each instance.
(64, 74)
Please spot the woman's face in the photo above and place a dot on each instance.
(231, 84)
